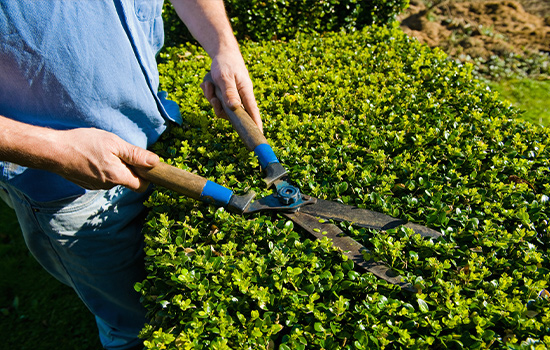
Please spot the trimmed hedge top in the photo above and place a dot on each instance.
(375, 120)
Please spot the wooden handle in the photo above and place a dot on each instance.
(246, 128)
(242, 122)
(175, 179)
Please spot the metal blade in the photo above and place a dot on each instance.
(362, 217)
(350, 247)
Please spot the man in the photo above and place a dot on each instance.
(78, 107)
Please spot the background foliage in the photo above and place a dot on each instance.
(381, 122)
(277, 19)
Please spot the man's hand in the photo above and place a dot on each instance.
(97, 159)
(91, 158)
(235, 85)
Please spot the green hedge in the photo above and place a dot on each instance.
(271, 19)
(379, 121)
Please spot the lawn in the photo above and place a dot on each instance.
(529, 95)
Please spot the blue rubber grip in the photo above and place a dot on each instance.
(265, 155)
(213, 193)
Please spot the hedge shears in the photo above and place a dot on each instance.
(312, 214)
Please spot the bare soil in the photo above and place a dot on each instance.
(480, 28)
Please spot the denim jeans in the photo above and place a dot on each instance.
(94, 244)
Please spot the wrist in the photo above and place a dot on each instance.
(226, 46)
(25, 144)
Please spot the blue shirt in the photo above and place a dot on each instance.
(84, 63)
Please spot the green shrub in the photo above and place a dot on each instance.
(378, 121)
(266, 20)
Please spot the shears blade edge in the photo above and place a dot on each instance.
(363, 217)
(349, 247)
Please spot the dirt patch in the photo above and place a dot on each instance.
(481, 29)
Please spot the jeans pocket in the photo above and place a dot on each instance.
(147, 10)
(5, 196)
(71, 216)
(97, 215)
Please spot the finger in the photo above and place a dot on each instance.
(227, 89)
(209, 91)
(231, 96)
(129, 178)
(135, 183)
(251, 106)
(218, 108)
(91, 185)
(137, 156)
(142, 186)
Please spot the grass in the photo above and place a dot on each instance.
(36, 311)
(529, 95)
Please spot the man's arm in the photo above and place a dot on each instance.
(91, 158)
(208, 23)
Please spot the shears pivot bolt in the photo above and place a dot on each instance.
(288, 195)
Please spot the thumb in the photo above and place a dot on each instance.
(137, 156)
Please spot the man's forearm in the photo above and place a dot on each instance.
(25, 144)
(208, 23)
(89, 157)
